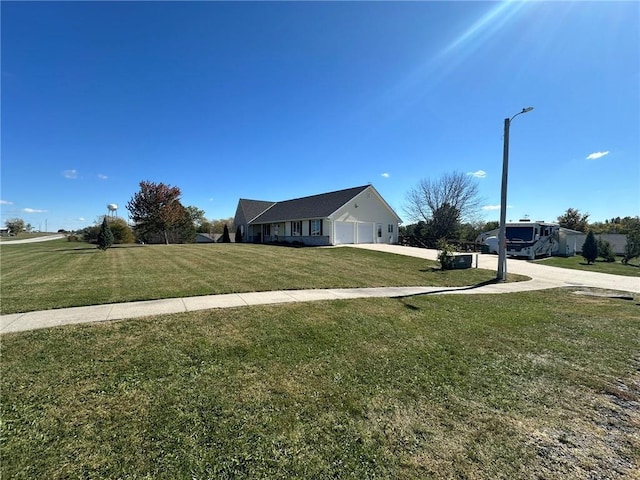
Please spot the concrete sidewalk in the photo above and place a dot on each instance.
(543, 277)
(18, 322)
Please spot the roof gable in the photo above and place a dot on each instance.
(314, 206)
(250, 209)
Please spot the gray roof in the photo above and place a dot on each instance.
(252, 208)
(315, 206)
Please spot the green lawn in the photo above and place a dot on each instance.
(578, 263)
(59, 274)
(528, 385)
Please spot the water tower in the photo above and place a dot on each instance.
(112, 210)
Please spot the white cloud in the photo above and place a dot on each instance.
(385, 175)
(597, 155)
(102, 177)
(33, 210)
(5, 202)
(72, 174)
(478, 174)
(494, 207)
(81, 219)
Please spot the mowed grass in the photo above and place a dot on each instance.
(631, 269)
(528, 385)
(57, 274)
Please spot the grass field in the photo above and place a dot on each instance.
(528, 385)
(578, 263)
(58, 273)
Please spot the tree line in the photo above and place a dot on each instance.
(443, 209)
(447, 210)
(158, 216)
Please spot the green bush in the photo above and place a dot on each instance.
(605, 251)
(122, 232)
(445, 255)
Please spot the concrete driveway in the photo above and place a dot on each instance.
(543, 276)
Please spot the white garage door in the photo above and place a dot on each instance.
(365, 232)
(343, 232)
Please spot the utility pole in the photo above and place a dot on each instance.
(502, 237)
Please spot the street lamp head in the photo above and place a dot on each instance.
(525, 110)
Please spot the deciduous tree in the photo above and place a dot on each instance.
(156, 208)
(574, 220)
(16, 225)
(183, 229)
(197, 216)
(443, 203)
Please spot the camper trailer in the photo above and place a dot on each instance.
(528, 240)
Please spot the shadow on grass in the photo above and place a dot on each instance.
(94, 248)
(459, 289)
(87, 249)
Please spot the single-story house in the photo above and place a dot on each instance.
(353, 215)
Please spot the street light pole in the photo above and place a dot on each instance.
(502, 240)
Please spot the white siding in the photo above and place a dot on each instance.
(368, 209)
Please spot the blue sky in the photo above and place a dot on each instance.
(273, 101)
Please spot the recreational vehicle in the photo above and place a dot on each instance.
(529, 240)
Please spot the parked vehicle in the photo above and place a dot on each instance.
(528, 240)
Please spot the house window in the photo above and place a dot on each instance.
(296, 228)
(390, 228)
(379, 231)
(266, 230)
(316, 227)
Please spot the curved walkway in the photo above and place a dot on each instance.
(46, 238)
(543, 277)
